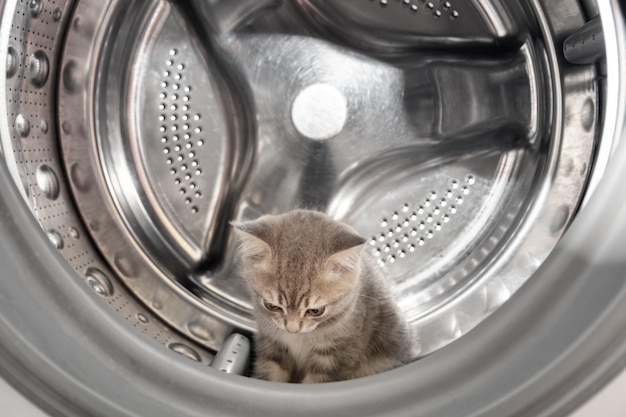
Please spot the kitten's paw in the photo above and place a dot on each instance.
(315, 378)
(270, 371)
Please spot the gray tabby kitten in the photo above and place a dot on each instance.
(323, 313)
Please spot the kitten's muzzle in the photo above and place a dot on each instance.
(293, 324)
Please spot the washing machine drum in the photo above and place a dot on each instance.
(476, 145)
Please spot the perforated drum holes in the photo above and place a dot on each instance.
(180, 138)
(412, 226)
(180, 130)
(436, 8)
(41, 87)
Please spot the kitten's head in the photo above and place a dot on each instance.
(303, 268)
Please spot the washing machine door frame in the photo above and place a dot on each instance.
(560, 339)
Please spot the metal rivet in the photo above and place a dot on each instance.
(56, 239)
(73, 232)
(98, 282)
(22, 125)
(70, 76)
(66, 127)
(185, 350)
(56, 14)
(47, 181)
(12, 63)
(80, 178)
(38, 68)
(125, 265)
(587, 114)
(35, 7)
(200, 331)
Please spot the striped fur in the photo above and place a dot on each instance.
(300, 264)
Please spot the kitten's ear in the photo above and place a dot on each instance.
(348, 247)
(252, 241)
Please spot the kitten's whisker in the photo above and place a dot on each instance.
(367, 296)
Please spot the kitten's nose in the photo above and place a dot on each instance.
(292, 326)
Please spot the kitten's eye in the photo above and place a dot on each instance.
(272, 307)
(315, 312)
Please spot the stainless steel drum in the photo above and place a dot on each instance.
(462, 138)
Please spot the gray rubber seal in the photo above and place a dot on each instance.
(551, 346)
